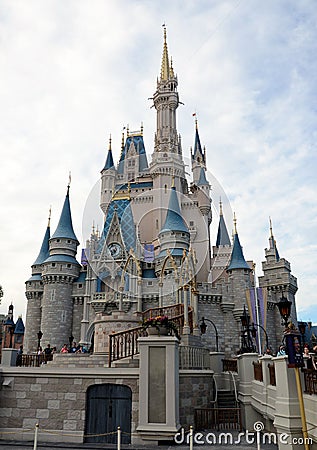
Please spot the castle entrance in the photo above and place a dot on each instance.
(107, 407)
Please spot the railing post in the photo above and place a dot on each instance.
(191, 446)
(35, 436)
(119, 439)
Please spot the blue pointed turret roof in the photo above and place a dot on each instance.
(44, 251)
(237, 259)
(109, 161)
(65, 225)
(202, 178)
(174, 220)
(19, 326)
(222, 235)
(198, 152)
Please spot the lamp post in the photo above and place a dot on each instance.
(295, 358)
(203, 328)
(302, 330)
(39, 337)
(284, 307)
(253, 333)
(247, 334)
(70, 339)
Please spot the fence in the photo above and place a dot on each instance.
(194, 358)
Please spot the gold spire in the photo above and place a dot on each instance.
(69, 179)
(220, 207)
(235, 223)
(173, 181)
(165, 70)
(141, 128)
(110, 142)
(196, 122)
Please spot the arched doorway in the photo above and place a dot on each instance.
(107, 407)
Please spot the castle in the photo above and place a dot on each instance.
(155, 250)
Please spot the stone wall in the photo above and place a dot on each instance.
(56, 399)
(195, 391)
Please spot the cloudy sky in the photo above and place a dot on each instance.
(72, 72)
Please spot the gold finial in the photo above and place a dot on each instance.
(220, 207)
(171, 69)
(69, 178)
(196, 122)
(141, 128)
(129, 187)
(165, 64)
(49, 216)
(97, 231)
(235, 223)
(122, 141)
(127, 130)
(110, 142)
(93, 228)
(173, 180)
(271, 228)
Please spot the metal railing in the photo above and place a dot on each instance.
(218, 419)
(194, 358)
(33, 360)
(124, 343)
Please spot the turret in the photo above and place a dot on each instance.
(108, 178)
(59, 271)
(174, 235)
(239, 276)
(221, 251)
(237, 261)
(34, 292)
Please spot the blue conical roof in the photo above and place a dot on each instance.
(65, 226)
(19, 326)
(197, 147)
(174, 220)
(109, 162)
(202, 178)
(237, 259)
(44, 252)
(222, 236)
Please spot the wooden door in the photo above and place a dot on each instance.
(107, 407)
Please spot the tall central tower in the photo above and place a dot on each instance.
(167, 158)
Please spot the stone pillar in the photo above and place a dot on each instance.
(246, 375)
(159, 387)
(9, 357)
(196, 330)
(287, 413)
(139, 295)
(160, 294)
(186, 328)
